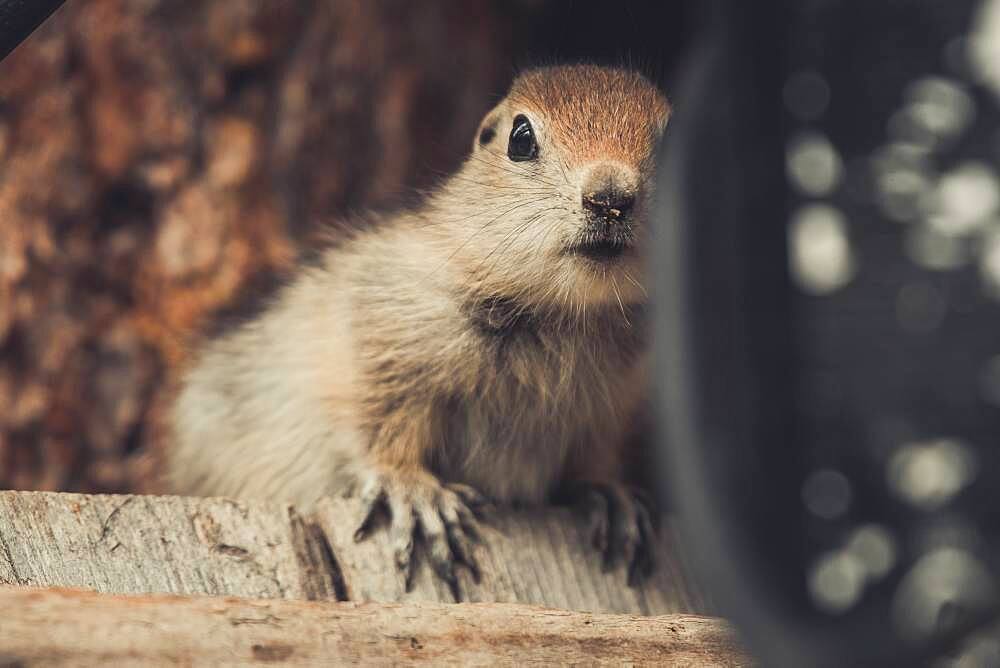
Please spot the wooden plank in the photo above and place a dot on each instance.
(144, 544)
(147, 544)
(54, 627)
(536, 558)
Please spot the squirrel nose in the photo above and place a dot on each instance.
(609, 191)
(610, 203)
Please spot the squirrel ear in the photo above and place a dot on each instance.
(486, 135)
(488, 128)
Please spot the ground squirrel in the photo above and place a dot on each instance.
(487, 344)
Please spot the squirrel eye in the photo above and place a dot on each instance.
(522, 144)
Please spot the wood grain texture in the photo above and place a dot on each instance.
(538, 558)
(174, 545)
(144, 544)
(59, 627)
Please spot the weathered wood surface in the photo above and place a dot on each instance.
(172, 545)
(60, 627)
(140, 544)
(540, 558)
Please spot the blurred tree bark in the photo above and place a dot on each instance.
(154, 155)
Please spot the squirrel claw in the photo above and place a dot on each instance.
(621, 527)
(422, 510)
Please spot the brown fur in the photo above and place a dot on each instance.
(634, 115)
(456, 343)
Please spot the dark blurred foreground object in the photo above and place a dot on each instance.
(19, 18)
(829, 327)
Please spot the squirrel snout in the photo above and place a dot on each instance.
(609, 204)
(609, 192)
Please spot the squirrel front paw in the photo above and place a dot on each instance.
(622, 526)
(445, 518)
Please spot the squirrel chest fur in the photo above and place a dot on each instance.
(486, 346)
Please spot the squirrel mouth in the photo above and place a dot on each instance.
(603, 249)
